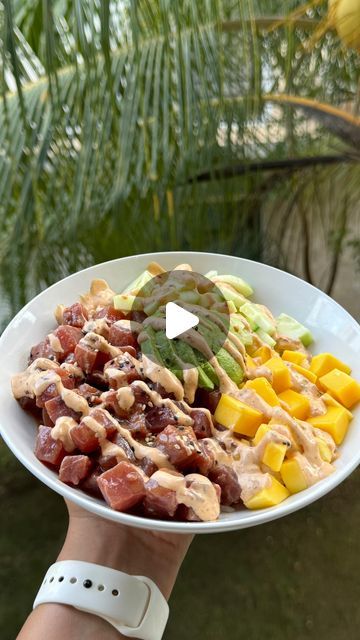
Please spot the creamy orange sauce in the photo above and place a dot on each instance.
(22, 384)
(55, 343)
(100, 295)
(194, 491)
(61, 431)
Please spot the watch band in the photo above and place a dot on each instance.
(134, 605)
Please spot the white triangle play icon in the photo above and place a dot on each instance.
(178, 320)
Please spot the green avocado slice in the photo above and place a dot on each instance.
(188, 354)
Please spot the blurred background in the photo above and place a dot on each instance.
(215, 125)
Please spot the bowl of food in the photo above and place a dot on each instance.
(247, 414)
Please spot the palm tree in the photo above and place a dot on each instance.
(139, 125)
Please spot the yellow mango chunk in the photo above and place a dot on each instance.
(233, 413)
(264, 353)
(324, 449)
(306, 373)
(344, 388)
(296, 357)
(274, 455)
(250, 362)
(331, 402)
(280, 373)
(293, 476)
(262, 430)
(269, 497)
(295, 404)
(335, 421)
(325, 362)
(263, 387)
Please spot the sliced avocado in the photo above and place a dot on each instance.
(190, 296)
(266, 338)
(168, 354)
(149, 348)
(288, 326)
(187, 354)
(257, 318)
(229, 364)
(236, 282)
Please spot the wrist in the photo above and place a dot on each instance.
(132, 551)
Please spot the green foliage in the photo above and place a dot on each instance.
(110, 111)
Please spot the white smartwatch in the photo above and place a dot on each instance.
(134, 605)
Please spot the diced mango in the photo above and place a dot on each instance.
(263, 387)
(335, 421)
(233, 413)
(269, 497)
(293, 476)
(325, 362)
(296, 357)
(264, 353)
(250, 362)
(262, 430)
(324, 450)
(295, 404)
(342, 387)
(331, 402)
(274, 455)
(306, 373)
(280, 373)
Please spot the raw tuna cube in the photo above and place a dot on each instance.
(73, 469)
(69, 338)
(85, 357)
(136, 425)
(207, 399)
(47, 449)
(90, 393)
(49, 393)
(158, 418)
(102, 416)
(228, 482)
(111, 314)
(46, 419)
(90, 484)
(159, 502)
(128, 372)
(56, 407)
(204, 461)
(42, 350)
(75, 315)
(84, 438)
(148, 466)
(179, 444)
(122, 337)
(122, 486)
(201, 426)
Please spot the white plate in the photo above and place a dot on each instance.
(333, 328)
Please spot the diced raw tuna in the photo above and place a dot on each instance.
(136, 424)
(201, 426)
(159, 502)
(51, 391)
(148, 466)
(90, 393)
(90, 484)
(179, 444)
(84, 438)
(29, 404)
(47, 449)
(207, 399)
(56, 408)
(74, 469)
(111, 314)
(76, 315)
(46, 419)
(122, 337)
(158, 418)
(204, 461)
(85, 357)
(227, 480)
(121, 442)
(101, 416)
(69, 338)
(122, 486)
(42, 350)
(123, 364)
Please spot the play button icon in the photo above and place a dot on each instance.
(178, 320)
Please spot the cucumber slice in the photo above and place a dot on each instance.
(236, 282)
(266, 338)
(137, 284)
(288, 326)
(230, 294)
(127, 302)
(257, 318)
